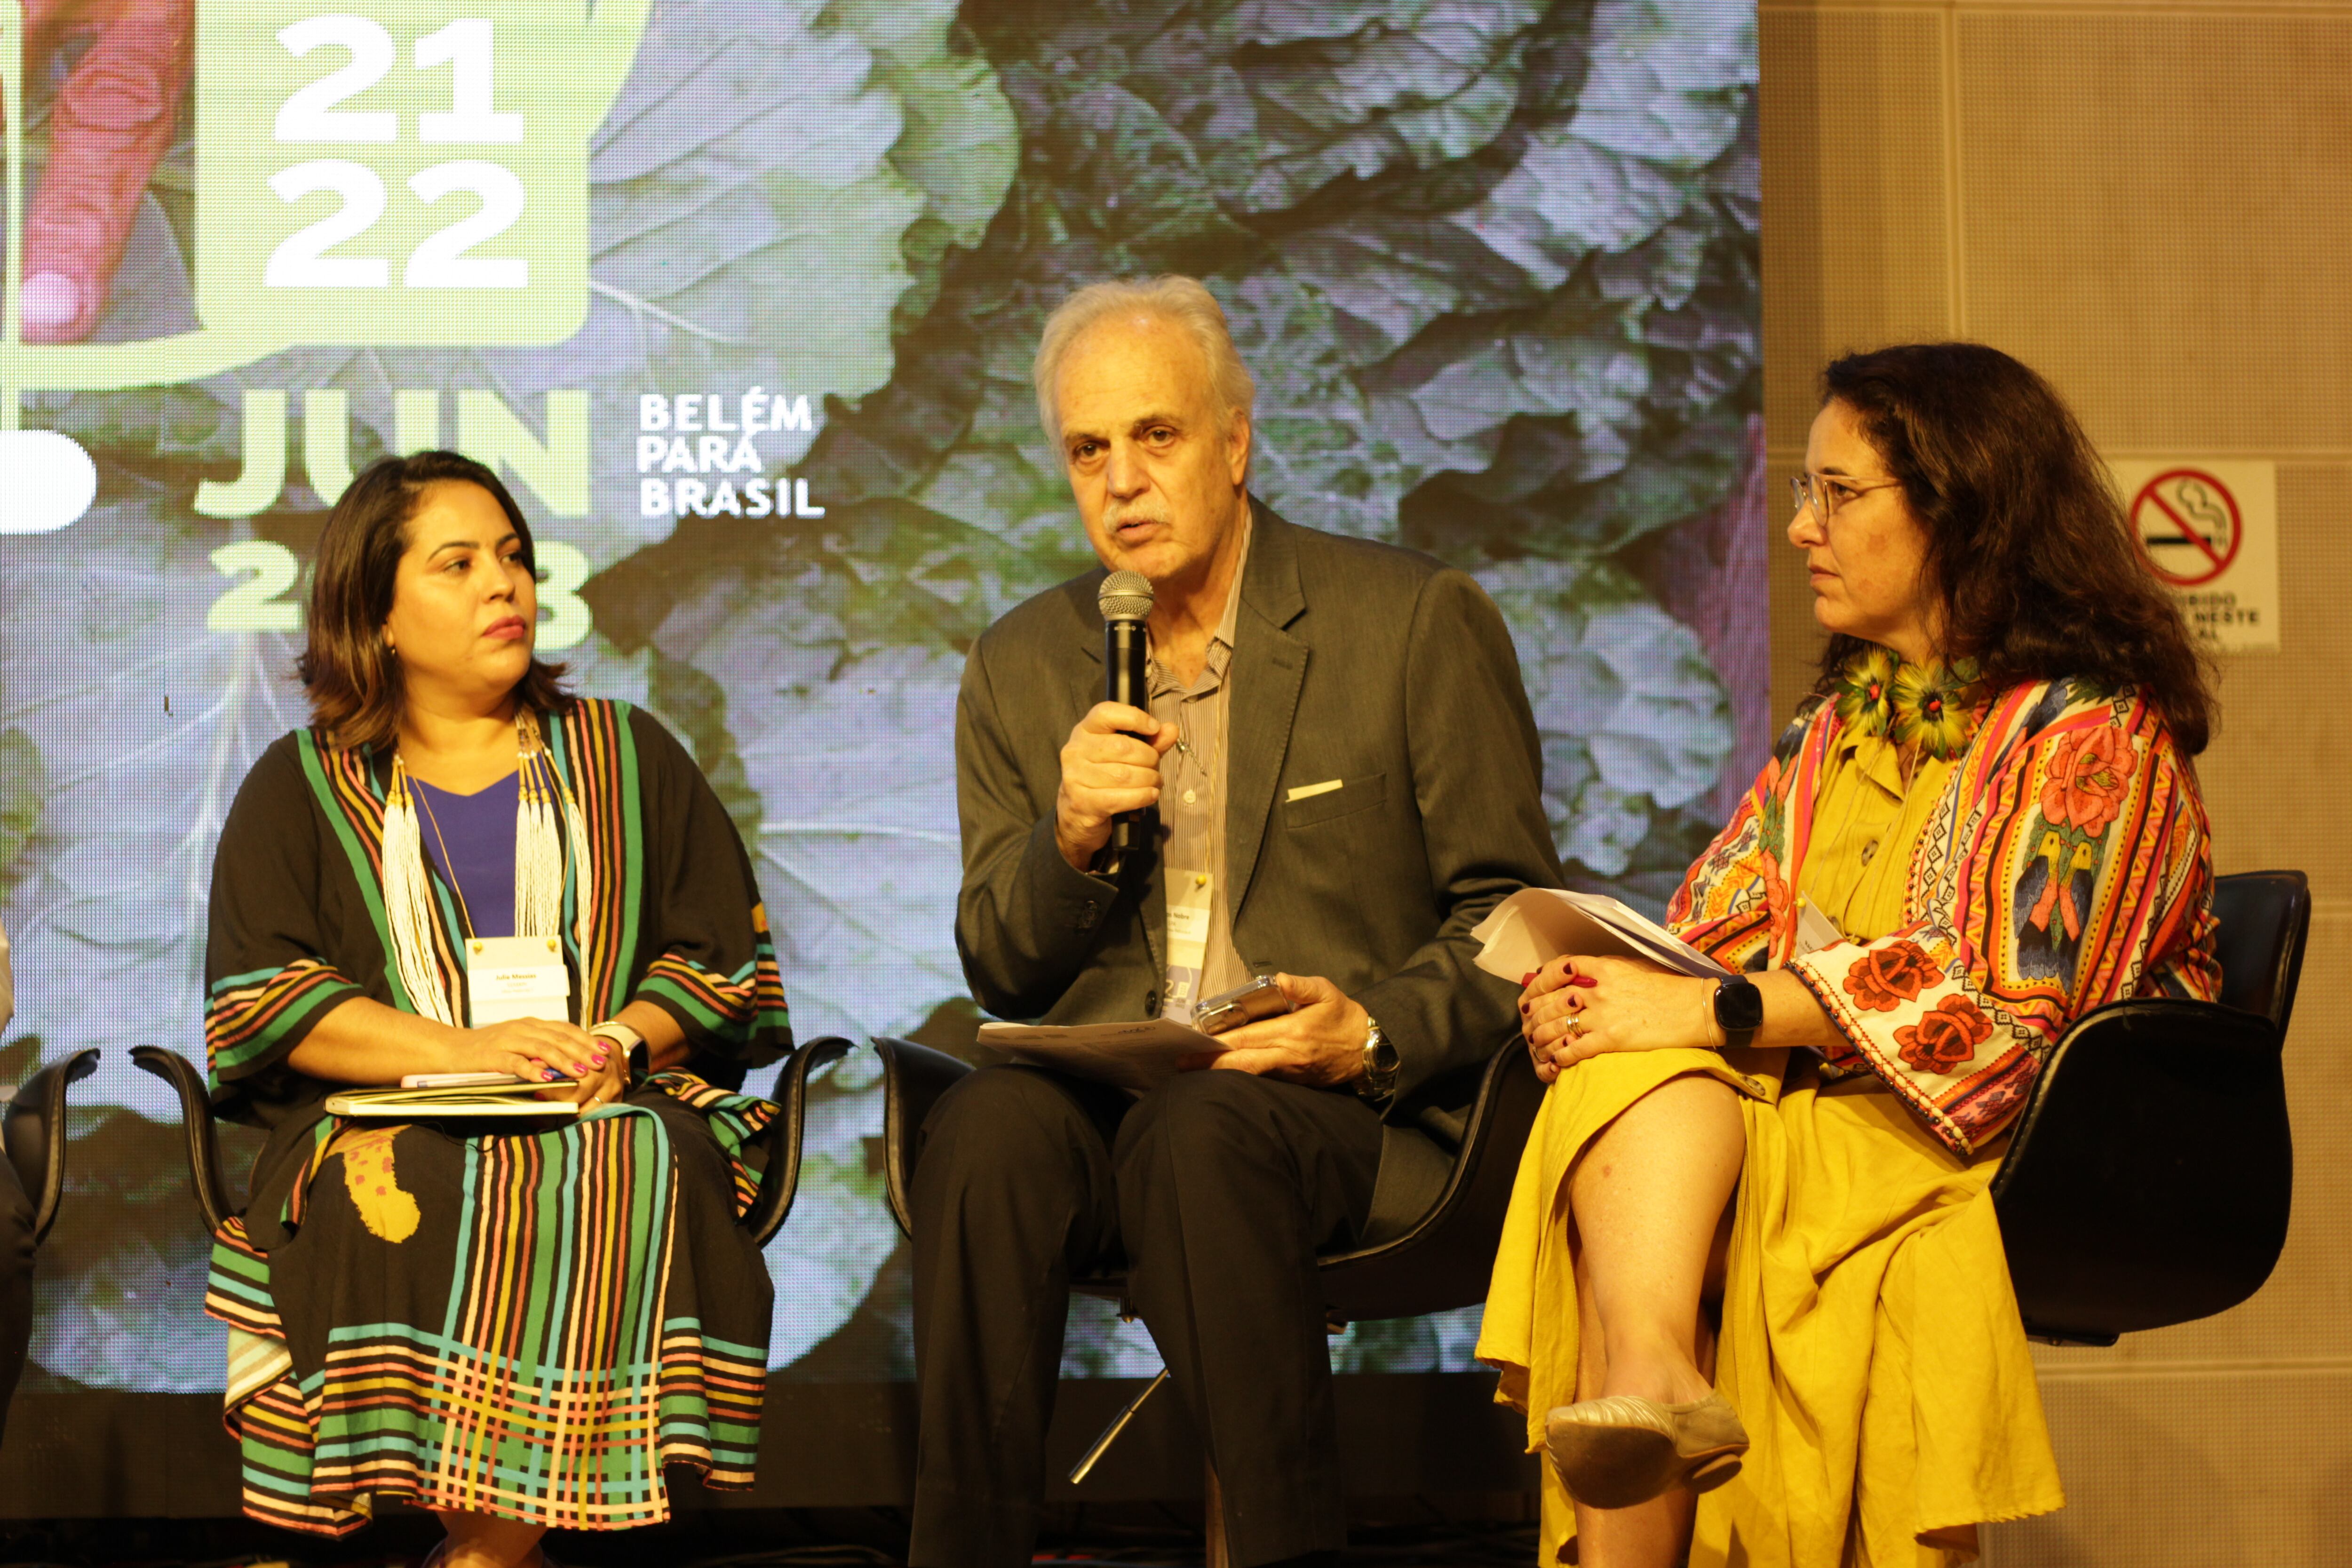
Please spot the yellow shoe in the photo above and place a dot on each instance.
(1624, 1450)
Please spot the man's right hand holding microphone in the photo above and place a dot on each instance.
(1107, 768)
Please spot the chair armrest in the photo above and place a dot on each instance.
(197, 1123)
(2150, 1174)
(36, 1134)
(782, 1138)
(913, 1079)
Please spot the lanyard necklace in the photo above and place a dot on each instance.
(465, 915)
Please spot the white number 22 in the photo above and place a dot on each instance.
(440, 260)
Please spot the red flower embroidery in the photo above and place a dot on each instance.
(2088, 773)
(1946, 1039)
(1883, 978)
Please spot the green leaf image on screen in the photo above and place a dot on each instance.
(389, 174)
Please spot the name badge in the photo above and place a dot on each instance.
(1815, 931)
(511, 977)
(1189, 895)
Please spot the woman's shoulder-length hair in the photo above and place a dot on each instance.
(352, 678)
(2028, 546)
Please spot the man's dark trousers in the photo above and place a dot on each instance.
(1215, 1193)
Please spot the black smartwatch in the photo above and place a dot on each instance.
(1738, 1010)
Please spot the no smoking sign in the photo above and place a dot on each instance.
(2189, 524)
(2209, 529)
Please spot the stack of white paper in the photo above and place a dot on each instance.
(1532, 927)
(1526, 931)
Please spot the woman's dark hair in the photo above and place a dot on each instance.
(352, 680)
(2028, 547)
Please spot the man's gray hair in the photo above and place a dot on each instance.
(1181, 301)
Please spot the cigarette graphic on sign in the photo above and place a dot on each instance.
(2208, 529)
(2189, 526)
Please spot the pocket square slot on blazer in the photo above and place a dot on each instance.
(1311, 803)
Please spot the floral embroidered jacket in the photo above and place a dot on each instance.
(2065, 867)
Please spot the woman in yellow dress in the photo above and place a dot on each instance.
(1983, 825)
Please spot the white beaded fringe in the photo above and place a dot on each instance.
(546, 816)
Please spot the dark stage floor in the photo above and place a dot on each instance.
(1130, 1536)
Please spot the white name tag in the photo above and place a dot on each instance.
(511, 977)
(1188, 898)
(1815, 931)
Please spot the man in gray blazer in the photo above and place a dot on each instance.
(1346, 778)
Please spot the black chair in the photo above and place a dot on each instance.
(2150, 1174)
(780, 1139)
(34, 1132)
(1444, 1260)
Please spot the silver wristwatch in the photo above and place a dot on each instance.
(1379, 1081)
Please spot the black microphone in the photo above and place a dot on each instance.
(1125, 600)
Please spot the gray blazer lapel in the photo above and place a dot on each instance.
(1268, 668)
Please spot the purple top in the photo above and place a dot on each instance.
(479, 831)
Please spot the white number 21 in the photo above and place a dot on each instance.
(466, 46)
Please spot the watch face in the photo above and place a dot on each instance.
(1738, 1005)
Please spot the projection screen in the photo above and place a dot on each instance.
(740, 297)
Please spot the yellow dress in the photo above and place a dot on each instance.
(1871, 1343)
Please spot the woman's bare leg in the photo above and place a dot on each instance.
(481, 1541)
(1646, 1200)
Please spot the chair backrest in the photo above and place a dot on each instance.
(1447, 1257)
(2264, 917)
(2150, 1176)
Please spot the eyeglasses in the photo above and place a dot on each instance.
(1825, 494)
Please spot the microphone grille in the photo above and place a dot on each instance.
(1124, 596)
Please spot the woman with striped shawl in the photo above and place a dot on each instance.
(514, 1329)
(1983, 826)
